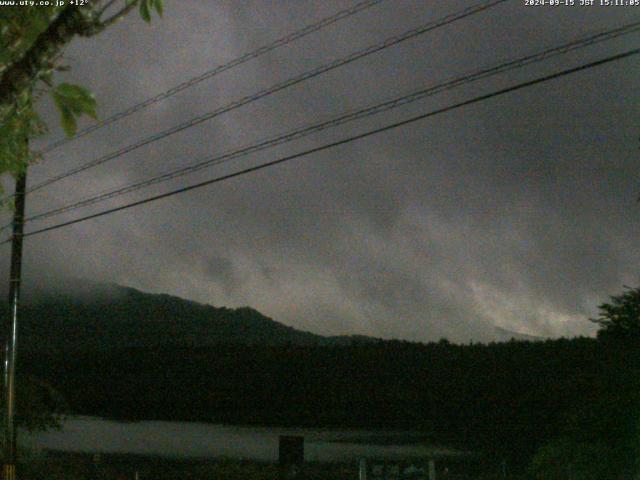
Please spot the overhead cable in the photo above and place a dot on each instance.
(298, 34)
(343, 141)
(344, 118)
(389, 42)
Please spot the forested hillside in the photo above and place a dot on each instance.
(505, 399)
(157, 357)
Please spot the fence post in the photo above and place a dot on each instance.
(362, 469)
(432, 469)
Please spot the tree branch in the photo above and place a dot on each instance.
(106, 7)
(115, 17)
(22, 74)
(17, 58)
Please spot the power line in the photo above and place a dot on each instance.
(340, 142)
(298, 34)
(345, 118)
(389, 42)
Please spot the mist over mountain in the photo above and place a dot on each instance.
(505, 334)
(105, 316)
(81, 315)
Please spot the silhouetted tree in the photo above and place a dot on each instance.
(620, 319)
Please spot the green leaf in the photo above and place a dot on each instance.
(69, 123)
(73, 101)
(145, 12)
(78, 99)
(74, 91)
(159, 7)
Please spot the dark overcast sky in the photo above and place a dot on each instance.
(517, 212)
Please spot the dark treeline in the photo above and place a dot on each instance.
(505, 399)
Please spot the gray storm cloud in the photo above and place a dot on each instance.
(517, 212)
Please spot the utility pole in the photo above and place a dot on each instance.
(11, 329)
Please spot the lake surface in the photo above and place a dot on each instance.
(202, 440)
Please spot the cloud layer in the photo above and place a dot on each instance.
(518, 212)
